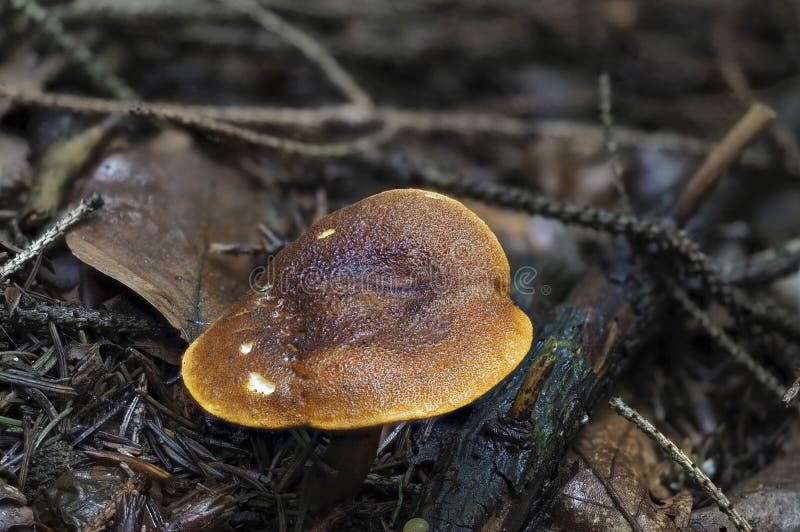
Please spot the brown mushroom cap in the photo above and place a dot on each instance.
(394, 308)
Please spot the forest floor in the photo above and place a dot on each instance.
(638, 162)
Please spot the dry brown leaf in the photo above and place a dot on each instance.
(617, 485)
(165, 205)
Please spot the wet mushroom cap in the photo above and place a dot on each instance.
(394, 308)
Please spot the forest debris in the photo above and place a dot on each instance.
(79, 495)
(766, 266)
(684, 461)
(15, 514)
(15, 172)
(203, 508)
(109, 323)
(136, 464)
(57, 167)
(768, 499)
(313, 51)
(749, 126)
(617, 486)
(181, 202)
(25, 67)
(723, 340)
(89, 369)
(73, 47)
(88, 205)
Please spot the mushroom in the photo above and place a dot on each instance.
(394, 308)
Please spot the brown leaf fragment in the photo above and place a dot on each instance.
(617, 486)
(166, 204)
(79, 496)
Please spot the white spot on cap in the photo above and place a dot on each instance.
(246, 347)
(326, 233)
(433, 195)
(258, 384)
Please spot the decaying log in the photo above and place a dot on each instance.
(498, 469)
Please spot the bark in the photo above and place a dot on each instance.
(498, 469)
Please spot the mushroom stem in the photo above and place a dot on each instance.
(349, 457)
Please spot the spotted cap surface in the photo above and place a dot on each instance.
(394, 308)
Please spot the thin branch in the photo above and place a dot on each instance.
(104, 321)
(634, 138)
(74, 49)
(604, 86)
(682, 460)
(749, 126)
(724, 42)
(791, 393)
(256, 138)
(313, 51)
(87, 205)
(461, 122)
(721, 338)
(209, 125)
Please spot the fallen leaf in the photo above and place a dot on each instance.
(165, 205)
(617, 485)
(79, 496)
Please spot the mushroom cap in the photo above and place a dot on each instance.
(393, 308)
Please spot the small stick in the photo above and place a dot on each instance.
(604, 86)
(682, 460)
(721, 338)
(79, 53)
(792, 392)
(88, 204)
(424, 121)
(750, 125)
(310, 48)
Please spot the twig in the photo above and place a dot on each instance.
(722, 339)
(722, 37)
(461, 122)
(74, 49)
(87, 205)
(604, 86)
(313, 51)
(757, 117)
(682, 460)
(792, 392)
(627, 137)
(209, 125)
(309, 149)
(20, 378)
(103, 321)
